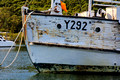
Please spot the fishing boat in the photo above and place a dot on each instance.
(86, 42)
(5, 43)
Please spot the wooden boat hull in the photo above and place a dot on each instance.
(55, 47)
(74, 31)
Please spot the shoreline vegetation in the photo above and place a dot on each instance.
(11, 36)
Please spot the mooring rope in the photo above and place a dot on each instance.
(10, 48)
(16, 54)
(14, 42)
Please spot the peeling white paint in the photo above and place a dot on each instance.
(98, 34)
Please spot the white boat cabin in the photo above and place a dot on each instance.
(2, 39)
(5, 43)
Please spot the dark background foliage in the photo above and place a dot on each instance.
(10, 11)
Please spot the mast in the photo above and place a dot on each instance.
(89, 8)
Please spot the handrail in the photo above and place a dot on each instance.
(104, 5)
(108, 1)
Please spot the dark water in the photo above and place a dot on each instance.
(22, 69)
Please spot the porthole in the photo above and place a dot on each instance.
(97, 29)
(59, 26)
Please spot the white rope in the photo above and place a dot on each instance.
(14, 42)
(10, 48)
(16, 54)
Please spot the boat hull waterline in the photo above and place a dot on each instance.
(61, 59)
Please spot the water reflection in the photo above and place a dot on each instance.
(23, 69)
(52, 76)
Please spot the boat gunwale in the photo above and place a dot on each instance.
(94, 18)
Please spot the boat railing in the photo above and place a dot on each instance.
(112, 9)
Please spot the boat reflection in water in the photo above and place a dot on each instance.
(47, 76)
